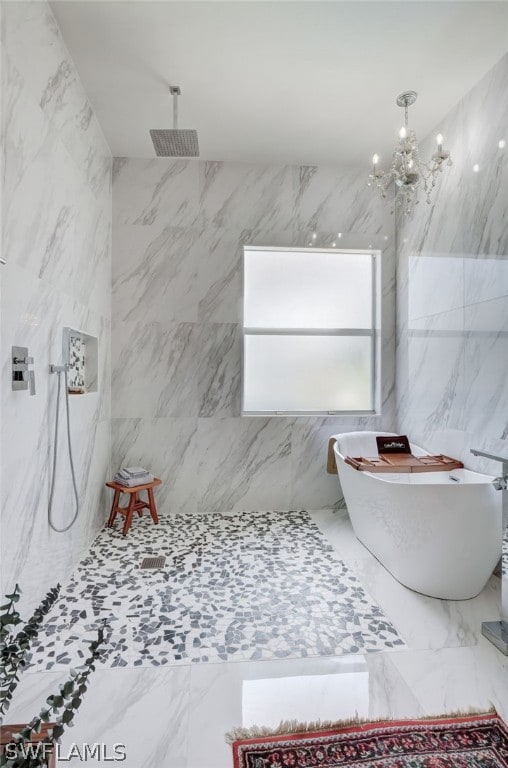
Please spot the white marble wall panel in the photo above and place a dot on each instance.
(337, 200)
(53, 84)
(155, 370)
(150, 192)
(486, 367)
(56, 211)
(220, 370)
(167, 446)
(238, 196)
(244, 464)
(436, 284)
(435, 365)
(452, 386)
(220, 274)
(155, 273)
(308, 439)
(485, 277)
(179, 232)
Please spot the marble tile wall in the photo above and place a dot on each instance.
(178, 231)
(452, 288)
(56, 238)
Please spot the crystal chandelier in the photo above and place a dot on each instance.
(407, 171)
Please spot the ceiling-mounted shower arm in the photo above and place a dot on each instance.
(175, 92)
(175, 142)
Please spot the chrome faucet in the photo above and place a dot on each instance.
(497, 631)
(500, 483)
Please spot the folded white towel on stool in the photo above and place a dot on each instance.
(132, 482)
(134, 471)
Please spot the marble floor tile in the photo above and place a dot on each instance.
(146, 711)
(337, 529)
(426, 622)
(177, 716)
(447, 680)
(224, 696)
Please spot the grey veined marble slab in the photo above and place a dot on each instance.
(261, 585)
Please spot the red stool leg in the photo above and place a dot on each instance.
(152, 507)
(130, 511)
(140, 510)
(114, 509)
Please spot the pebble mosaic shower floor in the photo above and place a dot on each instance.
(262, 585)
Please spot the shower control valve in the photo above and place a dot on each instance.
(23, 377)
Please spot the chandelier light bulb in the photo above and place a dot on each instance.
(439, 141)
(402, 132)
(476, 167)
(375, 160)
(502, 144)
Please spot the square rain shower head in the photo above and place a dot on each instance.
(175, 142)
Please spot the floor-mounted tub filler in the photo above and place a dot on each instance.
(437, 533)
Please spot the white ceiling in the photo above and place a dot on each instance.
(285, 82)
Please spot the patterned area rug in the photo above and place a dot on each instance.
(243, 587)
(475, 741)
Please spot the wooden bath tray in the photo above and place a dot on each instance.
(404, 462)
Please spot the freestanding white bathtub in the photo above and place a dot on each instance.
(438, 533)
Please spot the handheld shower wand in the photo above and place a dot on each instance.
(59, 370)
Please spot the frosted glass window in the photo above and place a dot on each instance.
(307, 373)
(309, 331)
(302, 289)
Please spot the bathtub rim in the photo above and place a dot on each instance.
(396, 478)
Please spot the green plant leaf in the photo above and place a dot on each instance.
(57, 732)
(68, 688)
(68, 716)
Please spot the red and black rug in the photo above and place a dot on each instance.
(472, 741)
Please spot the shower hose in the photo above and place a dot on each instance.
(55, 452)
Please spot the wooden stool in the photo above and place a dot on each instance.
(135, 503)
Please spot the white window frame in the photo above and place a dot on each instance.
(373, 332)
